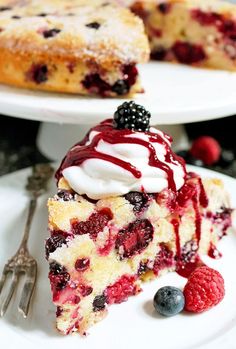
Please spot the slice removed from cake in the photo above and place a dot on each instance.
(126, 211)
(74, 47)
(195, 32)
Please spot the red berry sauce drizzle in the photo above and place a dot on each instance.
(82, 151)
(199, 198)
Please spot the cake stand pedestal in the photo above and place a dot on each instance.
(54, 140)
(174, 94)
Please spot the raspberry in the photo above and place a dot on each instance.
(135, 238)
(121, 289)
(186, 193)
(206, 149)
(82, 264)
(204, 290)
(85, 290)
(164, 259)
(167, 198)
(94, 225)
(132, 116)
(188, 53)
(205, 18)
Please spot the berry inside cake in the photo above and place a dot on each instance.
(126, 211)
(196, 32)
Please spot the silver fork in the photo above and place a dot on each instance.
(22, 262)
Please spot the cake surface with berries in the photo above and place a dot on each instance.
(126, 211)
(195, 32)
(71, 46)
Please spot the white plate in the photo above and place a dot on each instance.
(133, 324)
(174, 94)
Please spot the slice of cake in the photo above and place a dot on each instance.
(71, 46)
(196, 32)
(126, 211)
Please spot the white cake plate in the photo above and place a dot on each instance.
(132, 324)
(175, 94)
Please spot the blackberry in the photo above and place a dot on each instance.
(159, 54)
(138, 200)
(53, 243)
(56, 268)
(42, 14)
(99, 303)
(120, 87)
(164, 8)
(59, 281)
(132, 116)
(38, 73)
(93, 25)
(65, 195)
(51, 33)
(58, 276)
(134, 239)
(4, 8)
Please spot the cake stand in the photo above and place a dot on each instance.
(174, 94)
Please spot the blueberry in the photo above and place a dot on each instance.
(169, 301)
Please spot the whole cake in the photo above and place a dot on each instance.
(71, 46)
(126, 211)
(196, 32)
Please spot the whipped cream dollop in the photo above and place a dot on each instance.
(110, 162)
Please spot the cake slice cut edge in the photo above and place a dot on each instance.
(101, 251)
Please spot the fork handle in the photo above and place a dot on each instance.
(31, 211)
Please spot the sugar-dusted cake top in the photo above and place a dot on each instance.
(85, 29)
(122, 155)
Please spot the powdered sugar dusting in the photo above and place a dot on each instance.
(120, 36)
